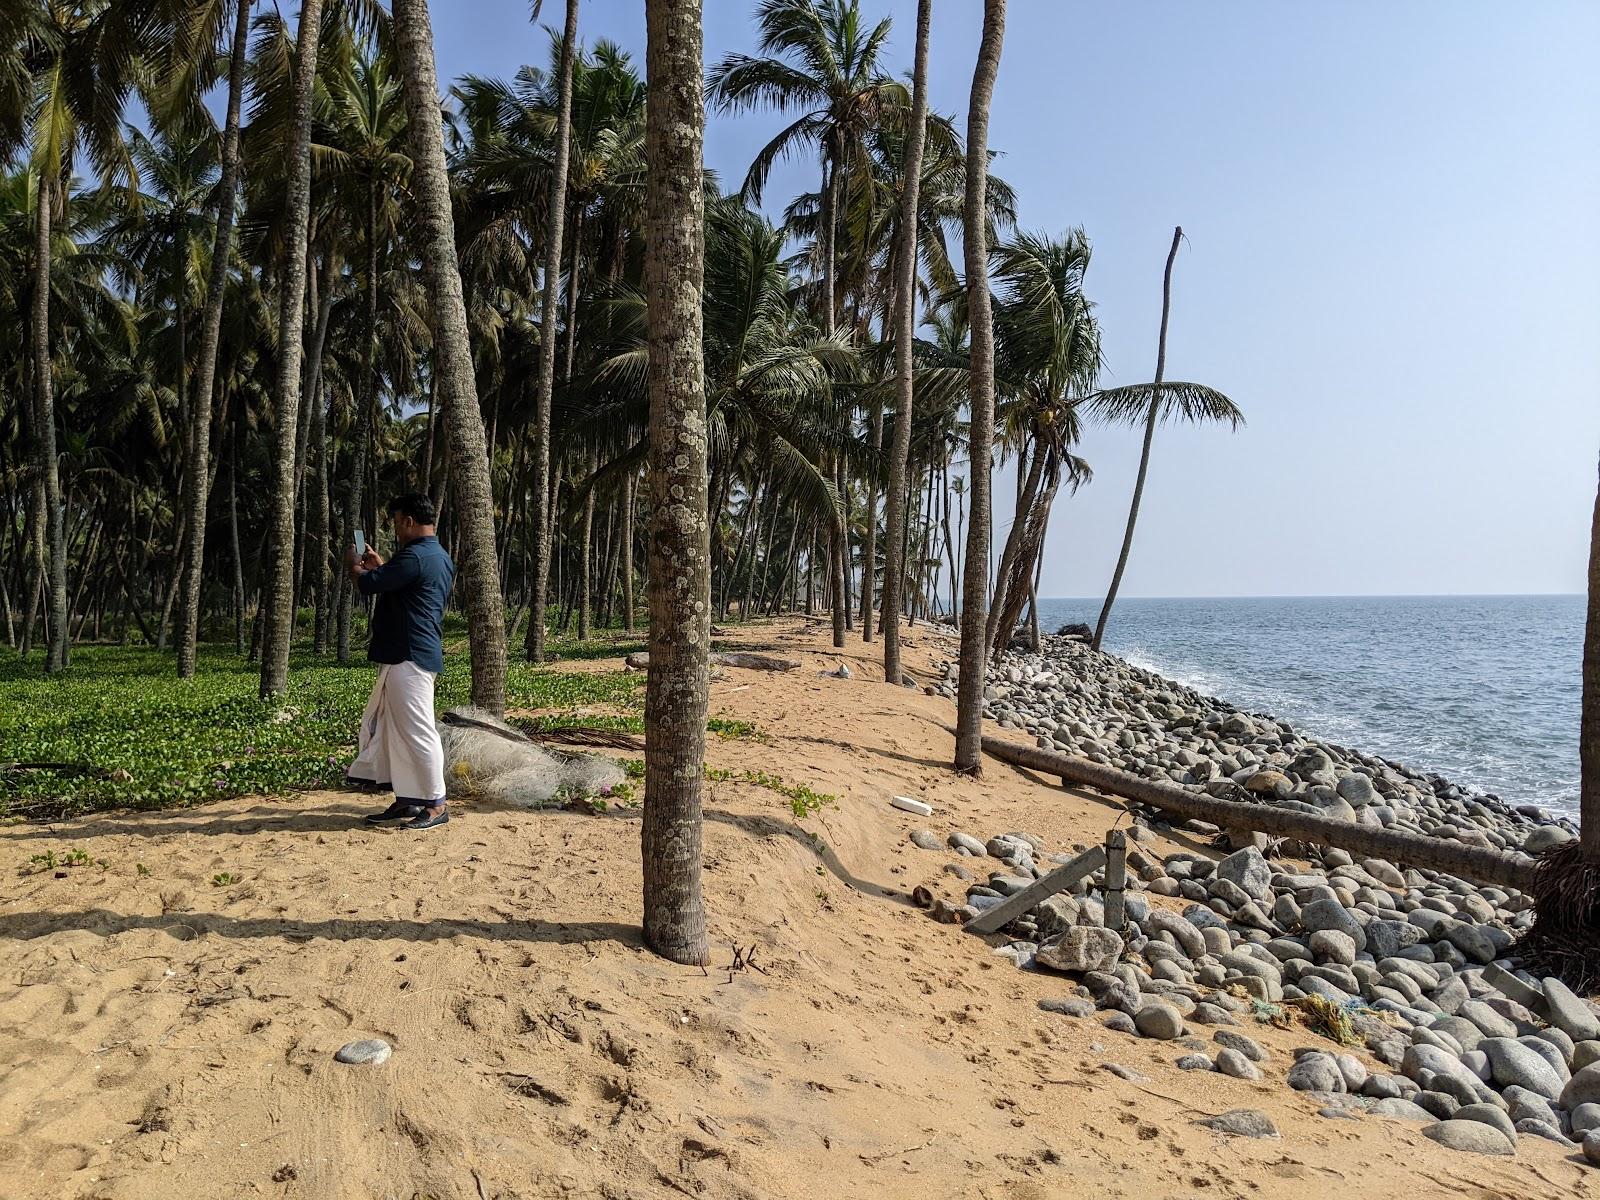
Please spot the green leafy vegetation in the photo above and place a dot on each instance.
(803, 800)
(133, 735)
(51, 861)
(729, 727)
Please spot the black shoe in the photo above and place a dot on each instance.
(400, 810)
(427, 820)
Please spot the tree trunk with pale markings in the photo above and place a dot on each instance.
(469, 453)
(679, 587)
(278, 630)
(974, 600)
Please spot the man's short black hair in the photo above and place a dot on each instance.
(416, 506)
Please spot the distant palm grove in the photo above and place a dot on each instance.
(256, 289)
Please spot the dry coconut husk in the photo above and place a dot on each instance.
(1565, 938)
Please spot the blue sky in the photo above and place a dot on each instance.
(1393, 214)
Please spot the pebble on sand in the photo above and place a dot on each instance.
(367, 1051)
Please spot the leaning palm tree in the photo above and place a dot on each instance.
(1189, 402)
(458, 390)
(278, 629)
(680, 544)
(980, 438)
(905, 328)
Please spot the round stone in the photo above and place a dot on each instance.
(366, 1052)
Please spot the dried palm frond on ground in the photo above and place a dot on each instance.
(1565, 938)
(485, 757)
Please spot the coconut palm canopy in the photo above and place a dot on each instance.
(105, 135)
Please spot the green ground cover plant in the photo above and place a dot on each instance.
(128, 733)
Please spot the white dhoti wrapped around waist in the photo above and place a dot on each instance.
(399, 741)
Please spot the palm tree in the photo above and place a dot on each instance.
(905, 327)
(555, 225)
(474, 515)
(680, 546)
(278, 631)
(361, 162)
(980, 438)
(1047, 358)
(199, 43)
(81, 59)
(821, 60)
(1188, 401)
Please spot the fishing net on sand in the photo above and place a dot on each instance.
(487, 759)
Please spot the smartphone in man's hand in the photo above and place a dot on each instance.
(361, 545)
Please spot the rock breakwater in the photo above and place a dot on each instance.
(1417, 967)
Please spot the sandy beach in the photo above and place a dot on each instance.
(168, 1022)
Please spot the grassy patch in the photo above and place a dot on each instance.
(803, 801)
(150, 740)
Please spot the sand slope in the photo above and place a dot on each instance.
(162, 1035)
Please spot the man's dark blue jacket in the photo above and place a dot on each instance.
(408, 620)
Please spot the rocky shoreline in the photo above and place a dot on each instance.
(1417, 966)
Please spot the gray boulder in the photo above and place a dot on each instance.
(1184, 932)
(1510, 1062)
(1231, 1062)
(1473, 1137)
(1316, 1072)
(1240, 1044)
(1543, 1129)
(1489, 1115)
(1249, 871)
(1585, 1119)
(1157, 1020)
(966, 844)
(1330, 945)
(1487, 1019)
(1330, 914)
(1569, 1013)
(1401, 1110)
(1242, 1122)
(1582, 1088)
(1082, 948)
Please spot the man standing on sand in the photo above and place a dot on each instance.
(399, 745)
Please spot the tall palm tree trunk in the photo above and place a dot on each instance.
(974, 614)
(55, 532)
(905, 326)
(233, 534)
(480, 575)
(627, 551)
(869, 542)
(1589, 722)
(361, 435)
(278, 631)
(586, 559)
(679, 586)
(556, 210)
(1144, 453)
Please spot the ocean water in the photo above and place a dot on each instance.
(1483, 690)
